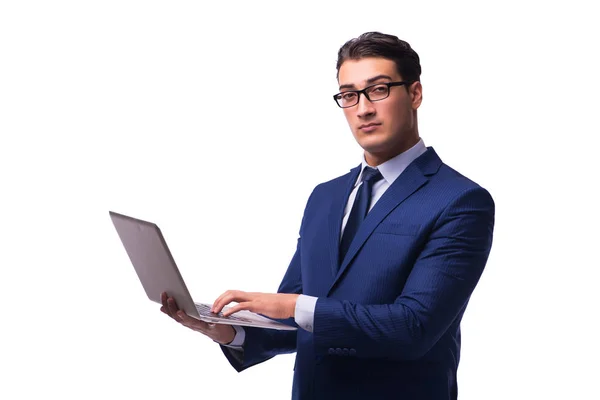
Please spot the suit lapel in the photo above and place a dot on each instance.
(336, 215)
(413, 178)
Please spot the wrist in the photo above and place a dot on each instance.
(230, 336)
(294, 302)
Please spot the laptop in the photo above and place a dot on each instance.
(157, 271)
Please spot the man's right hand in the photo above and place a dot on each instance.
(221, 333)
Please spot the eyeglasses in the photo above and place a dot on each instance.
(375, 92)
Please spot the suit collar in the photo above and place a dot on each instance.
(429, 162)
(408, 182)
(392, 168)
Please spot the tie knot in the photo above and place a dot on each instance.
(371, 175)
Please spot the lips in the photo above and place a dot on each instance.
(369, 127)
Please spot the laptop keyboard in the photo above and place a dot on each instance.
(204, 309)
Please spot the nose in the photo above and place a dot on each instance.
(365, 107)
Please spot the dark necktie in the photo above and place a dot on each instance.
(359, 208)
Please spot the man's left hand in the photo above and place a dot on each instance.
(273, 305)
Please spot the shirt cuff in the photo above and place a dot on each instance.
(238, 341)
(305, 312)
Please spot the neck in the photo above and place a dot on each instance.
(374, 159)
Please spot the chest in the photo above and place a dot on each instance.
(378, 270)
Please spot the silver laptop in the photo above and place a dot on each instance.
(157, 271)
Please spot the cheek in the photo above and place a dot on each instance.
(396, 117)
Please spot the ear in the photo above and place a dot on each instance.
(416, 94)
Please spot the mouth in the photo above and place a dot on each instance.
(369, 127)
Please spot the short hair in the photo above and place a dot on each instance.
(376, 44)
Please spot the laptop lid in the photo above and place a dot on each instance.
(153, 261)
(157, 271)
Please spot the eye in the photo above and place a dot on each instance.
(348, 96)
(379, 89)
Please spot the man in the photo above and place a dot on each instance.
(388, 254)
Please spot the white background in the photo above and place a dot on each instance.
(174, 112)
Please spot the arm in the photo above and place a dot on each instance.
(238, 340)
(263, 344)
(436, 292)
(291, 283)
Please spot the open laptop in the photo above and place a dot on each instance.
(157, 271)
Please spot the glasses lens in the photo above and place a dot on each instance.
(378, 92)
(347, 99)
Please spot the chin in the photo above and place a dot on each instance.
(373, 143)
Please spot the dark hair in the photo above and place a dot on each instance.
(376, 44)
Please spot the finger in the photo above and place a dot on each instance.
(222, 301)
(246, 305)
(165, 306)
(173, 309)
(231, 296)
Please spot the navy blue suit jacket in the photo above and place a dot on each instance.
(387, 319)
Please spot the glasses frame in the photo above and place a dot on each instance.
(364, 92)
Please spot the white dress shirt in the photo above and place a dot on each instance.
(390, 170)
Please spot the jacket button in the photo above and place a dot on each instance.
(338, 351)
(352, 352)
(345, 352)
(331, 351)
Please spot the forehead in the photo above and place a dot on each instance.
(357, 72)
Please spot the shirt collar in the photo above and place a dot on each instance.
(392, 168)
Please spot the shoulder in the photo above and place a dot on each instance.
(455, 179)
(447, 190)
(444, 179)
(335, 185)
(461, 200)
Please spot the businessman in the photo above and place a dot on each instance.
(387, 257)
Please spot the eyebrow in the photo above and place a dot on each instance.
(368, 81)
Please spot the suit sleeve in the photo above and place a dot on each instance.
(263, 344)
(436, 291)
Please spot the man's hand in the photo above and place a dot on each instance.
(221, 333)
(273, 305)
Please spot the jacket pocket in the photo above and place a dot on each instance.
(398, 228)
